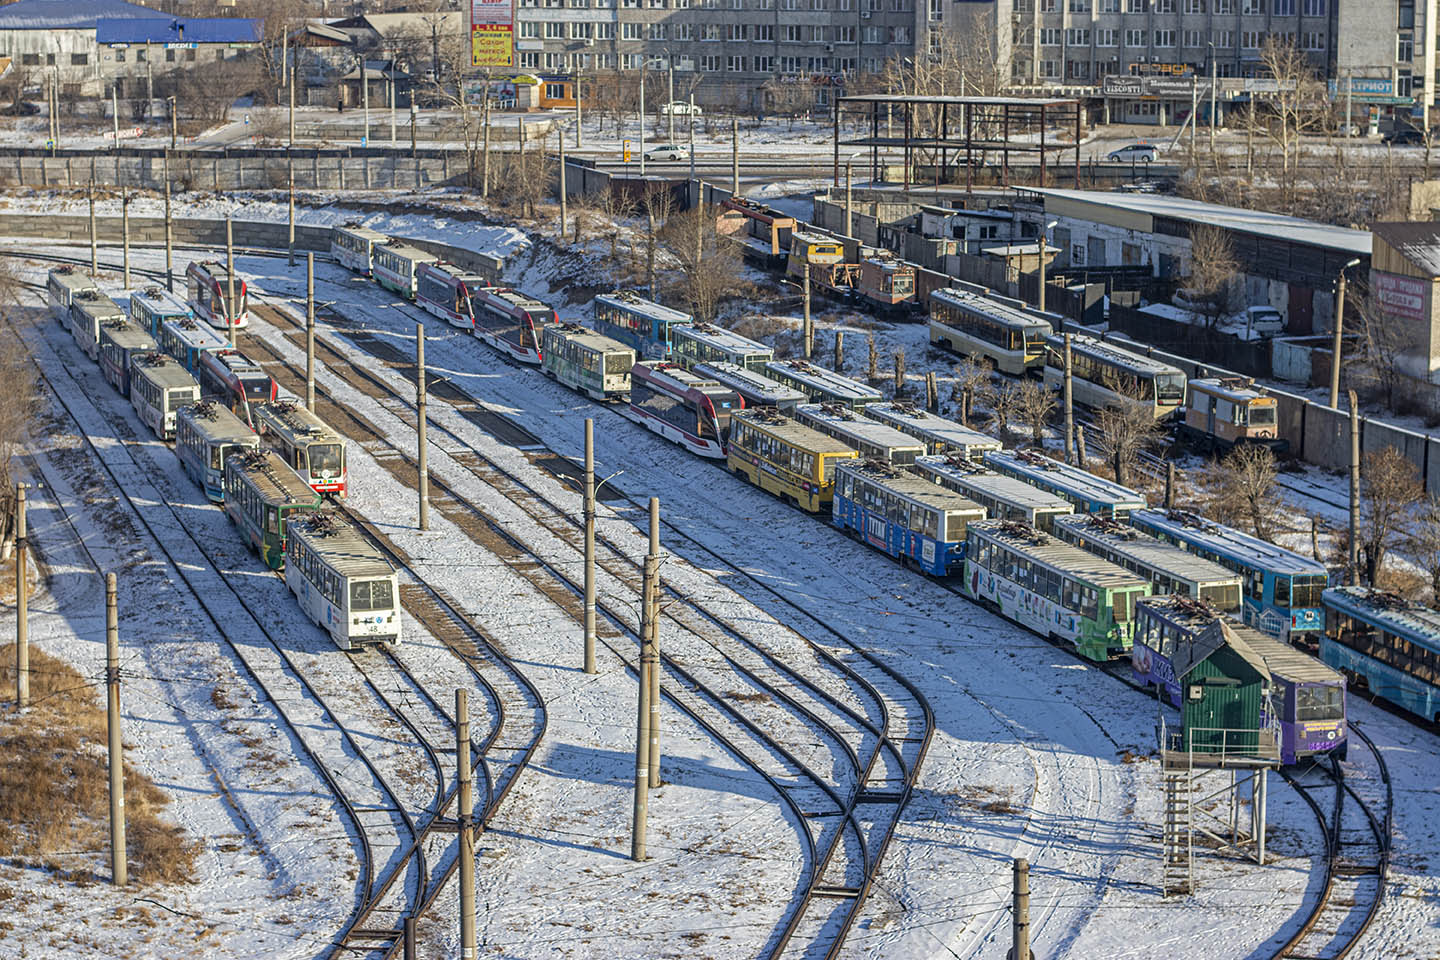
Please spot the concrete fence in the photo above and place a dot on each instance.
(313, 170)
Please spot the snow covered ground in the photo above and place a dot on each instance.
(1035, 754)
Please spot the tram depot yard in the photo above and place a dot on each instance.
(789, 648)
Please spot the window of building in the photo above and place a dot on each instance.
(1225, 7)
(1077, 37)
(765, 32)
(1164, 6)
(82, 59)
(529, 61)
(30, 59)
(556, 31)
(1134, 38)
(1404, 49)
(119, 56)
(632, 31)
(659, 31)
(1313, 40)
(937, 10)
(1106, 37)
(1078, 69)
(764, 64)
(817, 34)
(1050, 36)
(1079, 6)
(710, 63)
(604, 31)
(1252, 6)
(738, 31)
(1314, 8)
(1164, 38)
(1404, 85)
(1250, 39)
(1283, 8)
(1224, 38)
(529, 29)
(685, 31)
(603, 61)
(735, 64)
(710, 33)
(791, 33)
(1192, 38)
(1049, 6)
(844, 34)
(1137, 6)
(1194, 6)
(1050, 69)
(1107, 6)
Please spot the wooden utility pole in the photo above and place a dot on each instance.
(1169, 485)
(808, 331)
(652, 580)
(169, 232)
(94, 253)
(22, 599)
(125, 237)
(310, 332)
(590, 545)
(465, 815)
(1069, 401)
(1080, 446)
(230, 279)
(116, 751)
(1352, 573)
(839, 351)
(873, 371)
(1020, 931)
(420, 423)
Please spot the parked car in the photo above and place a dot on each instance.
(1135, 152)
(668, 151)
(1264, 321)
(680, 108)
(1404, 137)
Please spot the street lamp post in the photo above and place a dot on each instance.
(1212, 97)
(1044, 244)
(1339, 327)
(644, 66)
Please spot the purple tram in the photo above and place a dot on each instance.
(1308, 697)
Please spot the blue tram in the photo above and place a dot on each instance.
(640, 324)
(911, 519)
(1307, 697)
(1089, 493)
(1282, 589)
(1389, 644)
(153, 306)
(188, 340)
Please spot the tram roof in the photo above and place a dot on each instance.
(823, 379)
(996, 484)
(857, 425)
(1143, 548)
(357, 230)
(218, 424)
(273, 479)
(1002, 313)
(1281, 658)
(587, 338)
(453, 270)
(1066, 558)
(720, 337)
(296, 421)
(128, 334)
(1233, 389)
(164, 371)
(920, 422)
(805, 236)
(97, 304)
(911, 487)
(742, 378)
(793, 432)
(1081, 483)
(1108, 351)
(73, 278)
(402, 249)
(1395, 614)
(159, 301)
(628, 300)
(216, 270)
(1227, 540)
(340, 545)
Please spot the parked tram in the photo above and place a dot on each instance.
(1004, 498)
(234, 380)
(643, 325)
(188, 341)
(1224, 412)
(159, 387)
(763, 233)
(353, 247)
(1387, 645)
(511, 322)
(207, 288)
(120, 341)
(938, 434)
(395, 265)
(821, 385)
(872, 439)
(205, 434)
(1169, 569)
(1282, 589)
(61, 286)
(909, 518)
(307, 443)
(89, 311)
(1307, 697)
(973, 325)
(887, 285)
(682, 407)
(1057, 590)
(1104, 375)
(154, 306)
(706, 343)
(755, 389)
(445, 290)
(1085, 491)
(342, 581)
(586, 361)
(785, 458)
(262, 497)
(814, 250)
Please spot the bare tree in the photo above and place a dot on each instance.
(1297, 106)
(18, 401)
(1386, 338)
(971, 376)
(1127, 429)
(1034, 406)
(1003, 400)
(1214, 269)
(1243, 489)
(1424, 543)
(899, 371)
(710, 268)
(1389, 488)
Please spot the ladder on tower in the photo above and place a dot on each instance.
(1179, 851)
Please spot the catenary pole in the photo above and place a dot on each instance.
(839, 351)
(169, 232)
(465, 801)
(22, 599)
(292, 105)
(807, 331)
(420, 423)
(1353, 573)
(230, 317)
(290, 177)
(125, 237)
(734, 156)
(112, 721)
(94, 253)
(310, 331)
(641, 810)
(365, 95)
(1069, 400)
(115, 113)
(590, 545)
(644, 68)
(653, 563)
(564, 216)
(1336, 346)
(1020, 938)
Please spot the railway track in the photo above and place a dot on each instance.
(1356, 821)
(870, 734)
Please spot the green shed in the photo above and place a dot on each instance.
(1225, 697)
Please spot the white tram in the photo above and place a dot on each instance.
(970, 324)
(394, 265)
(342, 581)
(706, 343)
(586, 361)
(938, 434)
(445, 290)
(681, 406)
(1004, 498)
(62, 285)
(511, 322)
(205, 434)
(821, 385)
(1104, 375)
(756, 390)
(159, 386)
(155, 306)
(353, 247)
(872, 439)
(89, 310)
(208, 290)
(120, 340)
(309, 446)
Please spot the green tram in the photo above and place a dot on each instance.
(586, 361)
(262, 493)
(1051, 587)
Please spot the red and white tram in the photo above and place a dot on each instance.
(510, 321)
(682, 407)
(444, 289)
(207, 288)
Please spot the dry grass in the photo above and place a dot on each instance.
(54, 787)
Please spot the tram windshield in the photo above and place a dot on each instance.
(1319, 703)
(618, 363)
(1170, 386)
(178, 398)
(325, 459)
(1306, 591)
(1223, 597)
(1263, 416)
(370, 595)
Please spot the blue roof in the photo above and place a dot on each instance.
(155, 29)
(1196, 531)
(66, 14)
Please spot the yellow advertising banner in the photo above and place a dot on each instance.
(492, 45)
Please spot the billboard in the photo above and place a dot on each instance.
(492, 33)
(1400, 296)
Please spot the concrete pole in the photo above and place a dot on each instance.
(590, 546)
(808, 332)
(125, 237)
(579, 137)
(465, 815)
(641, 811)
(1044, 242)
(690, 122)
(365, 95)
(22, 599)
(670, 104)
(1020, 930)
(1194, 103)
(485, 143)
(1080, 456)
(420, 423)
(1169, 485)
(292, 106)
(643, 67)
(169, 232)
(1335, 347)
(652, 562)
(849, 208)
(115, 113)
(1213, 118)
(414, 111)
(230, 278)
(1069, 401)
(734, 156)
(174, 121)
(290, 166)
(391, 89)
(116, 755)
(94, 254)
(310, 332)
(839, 351)
(560, 139)
(1353, 572)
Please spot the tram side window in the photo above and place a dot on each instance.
(1282, 592)
(1319, 703)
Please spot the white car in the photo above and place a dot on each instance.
(668, 151)
(1136, 153)
(680, 108)
(1263, 321)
